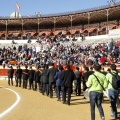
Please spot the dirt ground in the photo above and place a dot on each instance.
(34, 106)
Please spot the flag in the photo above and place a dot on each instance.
(17, 6)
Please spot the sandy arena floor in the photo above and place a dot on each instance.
(34, 106)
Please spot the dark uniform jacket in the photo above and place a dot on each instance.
(10, 73)
(25, 74)
(78, 76)
(51, 74)
(58, 78)
(44, 77)
(68, 77)
(86, 75)
(19, 73)
(31, 74)
(37, 76)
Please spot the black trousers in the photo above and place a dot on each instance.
(45, 88)
(84, 85)
(10, 79)
(37, 84)
(51, 85)
(31, 85)
(69, 91)
(77, 88)
(18, 81)
(25, 83)
(41, 86)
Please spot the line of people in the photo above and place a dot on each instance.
(48, 78)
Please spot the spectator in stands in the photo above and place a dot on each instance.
(111, 44)
(13, 42)
(29, 41)
(102, 59)
(116, 52)
(3, 63)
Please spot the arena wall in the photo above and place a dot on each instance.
(79, 38)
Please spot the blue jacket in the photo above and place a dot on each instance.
(58, 77)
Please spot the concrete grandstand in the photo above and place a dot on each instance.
(90, 22)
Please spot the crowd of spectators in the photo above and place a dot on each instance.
(68, 52)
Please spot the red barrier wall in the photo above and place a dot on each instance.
(3, 72)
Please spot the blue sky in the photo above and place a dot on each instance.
(47, 6)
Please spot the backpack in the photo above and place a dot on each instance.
(115, 81)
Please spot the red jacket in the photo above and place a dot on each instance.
(102, 59)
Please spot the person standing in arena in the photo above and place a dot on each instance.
(96, 83)
(10, 75)
(77, 82)
(25, 77)
(58, 78)
(52, 82)
(37, 78)
(85, 77)
(68, 77)
(31, 78)
(41, 79)
(18, 76)
(45, 80)
(112, 92)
